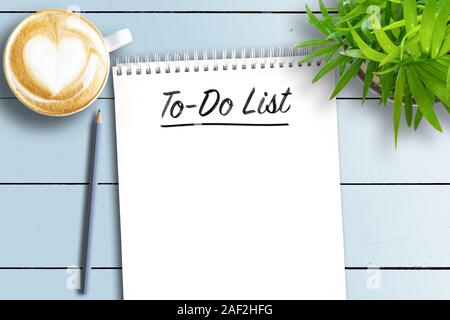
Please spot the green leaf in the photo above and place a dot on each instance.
(330, 65)
(316, 22)
(341, 7)
(353, 53)
(445, 58)
(396, 33)
(387, 83)
(358, 25)
(313, 42)
(329, 56)
(320, 52)
(384, 41)
(446, 45)
(408, 106)
(417, 119)
(436, 69)
(386, 70)
(426, 26)
(366, 30)
(395, 25)
(402, 23)
(371, 66)
(410, 40)
(357, 11)
(394, 55)
(397, 11)
(410, 13)
(436, 86)
(439, 29)
(347, 76)
(369, 52)
(398, 101)
(447, 85)
(387, 13)
(422, 97)
(326, 17)
(337, 35)
(342, 65)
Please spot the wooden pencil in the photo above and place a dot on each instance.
(93, 185)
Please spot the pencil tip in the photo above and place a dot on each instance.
(98, 119)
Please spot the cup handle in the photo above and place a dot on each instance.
(118, 39)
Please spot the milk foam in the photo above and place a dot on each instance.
(56, 65)
(63, 63)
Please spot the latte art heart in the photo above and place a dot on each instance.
(56, 62)
(56, 65)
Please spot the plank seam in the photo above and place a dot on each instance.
(357, 98)
(183, 11)
(398, 268)
(395, 183)
(57, 268)
(56, 183)
(116, 183)
(412, 268)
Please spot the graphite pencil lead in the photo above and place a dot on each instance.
(98, 119)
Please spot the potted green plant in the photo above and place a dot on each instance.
(398, 47)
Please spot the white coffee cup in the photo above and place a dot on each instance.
(56, 62)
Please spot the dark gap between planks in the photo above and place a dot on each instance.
(183, 11)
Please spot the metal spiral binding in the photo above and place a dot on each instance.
(262, 58)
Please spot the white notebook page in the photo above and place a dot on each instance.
(245, 204)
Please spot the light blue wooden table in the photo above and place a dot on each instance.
(396, 204)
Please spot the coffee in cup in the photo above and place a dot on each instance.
(56, 62)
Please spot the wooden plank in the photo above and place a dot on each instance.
(41, 149)
(396, 226)
(106, 284)
(387, 226)
(58, 285)
(354, 90)
(42, 226)
(178, 5)
(406, 284)
(368, 154)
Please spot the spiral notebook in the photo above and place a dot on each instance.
(228, 177)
